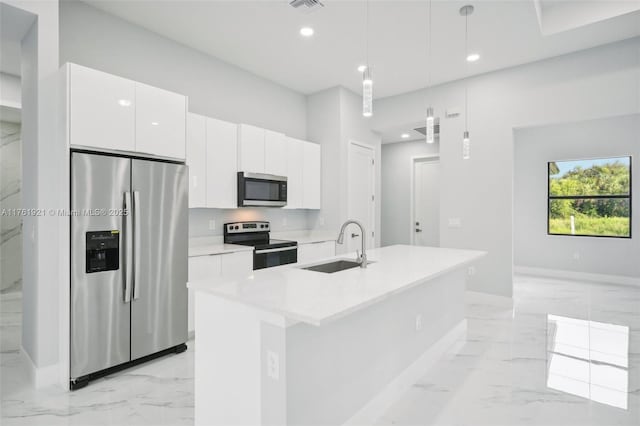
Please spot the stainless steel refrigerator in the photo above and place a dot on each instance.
(129, 231)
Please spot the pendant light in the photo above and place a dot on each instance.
(430, 125)
(466, 140)
(367, 82)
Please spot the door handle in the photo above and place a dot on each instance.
(354, 235)
(136, 244)
(128, 235)
(418, 230)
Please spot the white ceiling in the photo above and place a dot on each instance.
(262, 36)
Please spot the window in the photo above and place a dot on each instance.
(590, 197)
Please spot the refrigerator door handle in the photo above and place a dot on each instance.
(128, 235)
(136, 244)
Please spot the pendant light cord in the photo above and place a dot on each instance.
(429, 51)
(466, 71)
(366, 35)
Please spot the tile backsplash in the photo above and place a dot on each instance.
(281, 219)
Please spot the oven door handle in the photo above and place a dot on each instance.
(274, 250)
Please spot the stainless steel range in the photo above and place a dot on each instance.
(266, 251)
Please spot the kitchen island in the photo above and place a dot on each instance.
(288, 345)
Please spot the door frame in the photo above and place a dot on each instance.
(372, 148)
(412, 178)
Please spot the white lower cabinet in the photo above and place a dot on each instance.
(312, 252)
(216, 265)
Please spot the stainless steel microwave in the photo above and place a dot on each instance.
(261, 190)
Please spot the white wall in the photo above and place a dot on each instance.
(334, 117)
(534, 147)
(96, 39)
(10, 92)
(396, 188)
(41, 188)
(594, 83)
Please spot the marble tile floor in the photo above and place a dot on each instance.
(567, 353)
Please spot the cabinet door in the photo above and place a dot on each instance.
(311, 178)
(197, 160)
(102, 109)
(238, 263)
(250, 149)
(222, 151)
(201, 268)
(160, 122)
(294, 173)
(275, 153)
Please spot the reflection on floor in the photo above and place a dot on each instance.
(589, 359)
(568, 353)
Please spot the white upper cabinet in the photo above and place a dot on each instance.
(311, 175)
(197, 159)
(222, 183)
(160, 122)
(295, 185)
(102, 108)
(108, 112)
(250, 149)
(275, 153)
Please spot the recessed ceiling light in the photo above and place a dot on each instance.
(306, 31)
(124, 102)
(404, 135)
(473, 57)
(155, 123)
(361, 68)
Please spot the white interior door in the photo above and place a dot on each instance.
(426, 198)
(361, 195)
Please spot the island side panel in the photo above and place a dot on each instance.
(232, 381)
(335, 370)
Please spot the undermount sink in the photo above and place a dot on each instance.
(334, 266)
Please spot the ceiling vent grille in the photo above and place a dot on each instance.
(309, 5)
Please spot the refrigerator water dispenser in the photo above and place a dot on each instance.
(102, 251)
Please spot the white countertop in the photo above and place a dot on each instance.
(204, 246)
(317, 298)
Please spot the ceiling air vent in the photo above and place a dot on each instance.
(436, 129)
(309, 5)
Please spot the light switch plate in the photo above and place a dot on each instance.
(273, 365)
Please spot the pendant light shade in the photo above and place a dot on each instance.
(466, 146)
(367, 93)
(430, 126)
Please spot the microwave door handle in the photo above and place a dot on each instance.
(136, 244)
(128, 235)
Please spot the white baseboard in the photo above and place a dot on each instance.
(491, 299)
(377, 406)
(577, 276)
(40, 377)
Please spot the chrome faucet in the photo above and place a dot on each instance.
(362, 258)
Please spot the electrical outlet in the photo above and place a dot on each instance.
(212, 225)
(273, 365)
(419, 322)
(471, 270)
(284, 222)
(576, 255)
